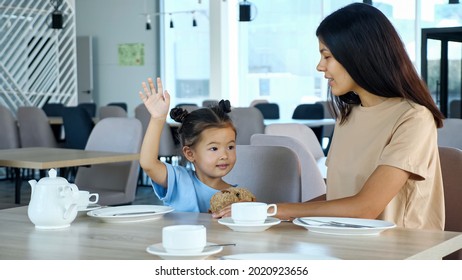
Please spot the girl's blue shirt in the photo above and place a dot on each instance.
(185, 192)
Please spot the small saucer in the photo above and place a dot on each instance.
(249, 227)
(158, 250)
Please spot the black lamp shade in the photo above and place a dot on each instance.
(57, 20)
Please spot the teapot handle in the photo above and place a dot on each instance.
(75, 195)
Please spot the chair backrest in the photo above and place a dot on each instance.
(454, 109)
(209, 103)
(77, 127)
(34, 128)
(308, 112)
(112, 112)
(53, 109)
(89, 107)
(9, 135)
(257, 101)
(116, 183)
(271, 173)
(311, 111)
(270, 111)
(301, 132)
(248, 121)
(122, 105)
(450, 135)
(312, 184)
(167, 145)
(451, 168)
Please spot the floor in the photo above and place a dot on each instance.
(144, 194)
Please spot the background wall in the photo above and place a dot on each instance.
(111, 23)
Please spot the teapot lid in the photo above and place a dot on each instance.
(52, 179)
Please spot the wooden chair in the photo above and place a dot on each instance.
(115, 183)
(271, 173)
(451, 168)
(312, 181)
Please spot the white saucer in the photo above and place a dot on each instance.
(130, 213)
(158, 250)
(249, 227)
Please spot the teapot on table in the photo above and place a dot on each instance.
(53, 202)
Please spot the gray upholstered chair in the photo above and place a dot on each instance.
(451, 168)
(111, 112)
(312, 184)
(306, 136)
(116, 182)
(248, 121)
(450, 135)
(271, 173)
(34, 128)
(9, 136)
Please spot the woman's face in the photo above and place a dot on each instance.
(340, 81)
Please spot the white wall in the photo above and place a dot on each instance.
(110, 23)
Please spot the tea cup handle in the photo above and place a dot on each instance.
(275, 209)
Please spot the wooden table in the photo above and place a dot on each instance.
(46, 158)
(89, 238)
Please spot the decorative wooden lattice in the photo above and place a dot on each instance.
(37, 62)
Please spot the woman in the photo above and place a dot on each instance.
(383, 162)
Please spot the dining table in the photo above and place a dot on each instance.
(47, 158)
(91, 238)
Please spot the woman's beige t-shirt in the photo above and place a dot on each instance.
(397, 133)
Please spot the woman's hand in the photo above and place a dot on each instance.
(156, 101)
(225, 212)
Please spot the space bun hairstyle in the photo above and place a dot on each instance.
(196, 121)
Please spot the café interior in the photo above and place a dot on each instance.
(71, 71)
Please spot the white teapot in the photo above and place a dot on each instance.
(53, 202)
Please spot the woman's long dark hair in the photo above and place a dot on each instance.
(366, 44)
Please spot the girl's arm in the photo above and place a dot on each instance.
(158, 104)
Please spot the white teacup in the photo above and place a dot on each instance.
(86, 198)
(184, 239)
(251, 212)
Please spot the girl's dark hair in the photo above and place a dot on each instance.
(193, 123)
(366, 44)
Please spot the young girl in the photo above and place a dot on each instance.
(208, 139)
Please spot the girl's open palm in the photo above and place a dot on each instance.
(156, 101)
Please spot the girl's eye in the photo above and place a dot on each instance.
(214, 149)
(231, 147)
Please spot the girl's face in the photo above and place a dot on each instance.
(340, 81)
(214, 155)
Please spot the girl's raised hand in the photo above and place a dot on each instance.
(156, 101)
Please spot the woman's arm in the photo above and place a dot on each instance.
(380, 188)
(158, 104)
(384, 183)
